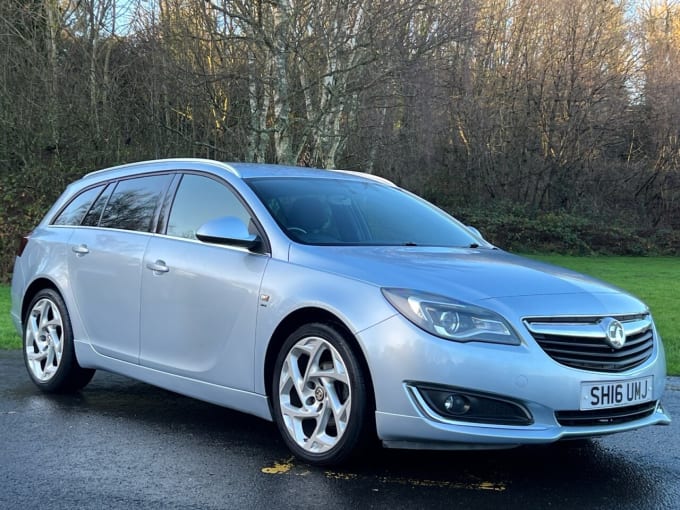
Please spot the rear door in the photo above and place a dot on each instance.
(200, 300)
(105, 262)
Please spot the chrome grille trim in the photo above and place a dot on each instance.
(586, 329)
(580, 342)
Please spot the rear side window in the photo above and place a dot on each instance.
(91, 219)
(74, 212)
(198, 200)
(134, 202)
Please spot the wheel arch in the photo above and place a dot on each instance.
(67, 374)
(36, 286)
(299, 318)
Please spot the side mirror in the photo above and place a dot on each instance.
(227, 230)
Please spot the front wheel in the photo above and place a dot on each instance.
(319, 395)
(49, 353)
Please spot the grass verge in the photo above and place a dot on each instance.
(652, 279)
(9, 339)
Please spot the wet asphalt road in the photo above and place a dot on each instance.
(124, 444)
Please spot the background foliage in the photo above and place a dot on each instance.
(546, 123)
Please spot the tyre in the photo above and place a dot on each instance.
(49, 353)
(319, 396)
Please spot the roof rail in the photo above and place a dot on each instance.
(372, 177)
(168, 161)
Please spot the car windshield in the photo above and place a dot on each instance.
(326, 211)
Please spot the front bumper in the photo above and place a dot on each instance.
(398, 352)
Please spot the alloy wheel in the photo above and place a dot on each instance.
(44, 340)
(315, 394)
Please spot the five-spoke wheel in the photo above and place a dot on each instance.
(319, 395)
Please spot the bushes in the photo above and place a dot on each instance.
(25, 196)
(515, 228)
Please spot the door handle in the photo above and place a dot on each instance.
(158, 267)
(80, 250)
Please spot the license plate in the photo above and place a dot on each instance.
(606, 394)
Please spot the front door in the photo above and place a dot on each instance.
(200, 300)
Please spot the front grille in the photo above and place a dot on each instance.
(605, 416)
(581, 342)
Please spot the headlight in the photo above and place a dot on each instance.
(451, 319)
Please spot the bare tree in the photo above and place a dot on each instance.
(658, 179)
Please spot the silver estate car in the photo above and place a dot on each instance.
(334, 303)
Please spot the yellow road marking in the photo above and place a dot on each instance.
(444, 484)
(288, 467)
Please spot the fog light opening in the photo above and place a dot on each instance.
(456, 404)
(463, 405)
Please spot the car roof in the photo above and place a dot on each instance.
(239, 170)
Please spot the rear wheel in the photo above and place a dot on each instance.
(49, 353)
(319, 395)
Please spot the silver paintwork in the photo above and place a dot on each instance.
(203, 327)
(226, 230)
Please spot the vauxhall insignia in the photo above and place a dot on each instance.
(614, 333)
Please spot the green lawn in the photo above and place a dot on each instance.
(652, 279)
(8, 335)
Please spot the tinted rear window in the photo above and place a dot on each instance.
(134, 202)
(92, 217)
(74, 212)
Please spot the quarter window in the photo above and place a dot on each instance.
(91, 219)
(74, 212)
(198, 200)
(134, 202)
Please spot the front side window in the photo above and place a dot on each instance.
(74, 212)
(134, 202)
(198, 200)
